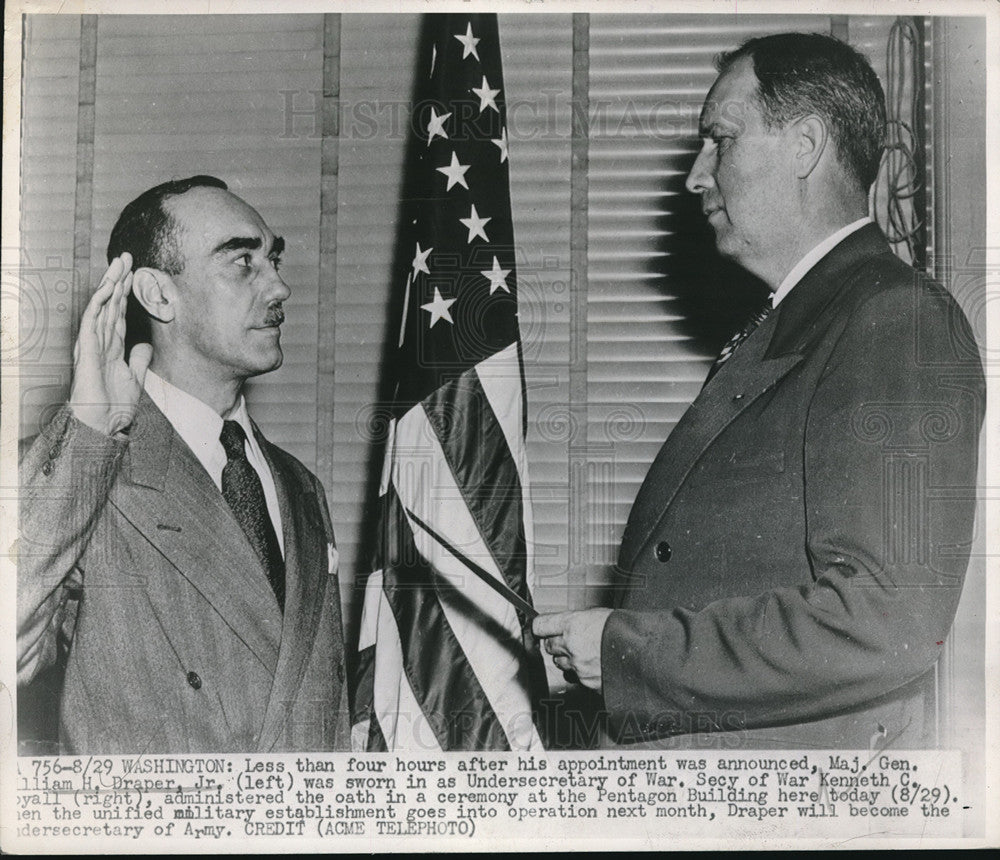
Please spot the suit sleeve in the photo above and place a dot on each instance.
(890, 452)
(64, 479)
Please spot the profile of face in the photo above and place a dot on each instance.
(744, 173)
(227, 304)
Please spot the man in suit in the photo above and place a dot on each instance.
(793, 561)
(188, 563)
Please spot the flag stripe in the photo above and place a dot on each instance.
(366, 733)
(453, 702)
(485, 624)
(475, 448)
(506, 399)
(376, 740)
(364, 684)
(402, 724)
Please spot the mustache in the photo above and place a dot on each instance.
(275, 314)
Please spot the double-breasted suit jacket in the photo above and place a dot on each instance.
(793, 561)
(178, 644)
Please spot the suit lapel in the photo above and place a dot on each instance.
(761, 361)
(306, 557)
(170, 498)
(738, 383)
(806, 310)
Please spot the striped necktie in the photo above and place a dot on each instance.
(733, 343)
(244, 494)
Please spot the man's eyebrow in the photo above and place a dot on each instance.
(277, 247)
(713, 128)
(238, 243)
(707, 121)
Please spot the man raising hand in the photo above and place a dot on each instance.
(189, 562)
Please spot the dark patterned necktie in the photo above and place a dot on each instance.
(733, 343)
(243, 492)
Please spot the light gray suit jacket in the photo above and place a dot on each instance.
(178, 644)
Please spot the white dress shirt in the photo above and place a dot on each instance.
(200, 427)
(800, 269)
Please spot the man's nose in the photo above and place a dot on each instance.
(700, 177)
(277, 289)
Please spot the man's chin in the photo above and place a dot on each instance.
(275, 363)
(270, 356)
(726, 244)
(266, 364)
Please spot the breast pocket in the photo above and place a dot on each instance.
(738, 466)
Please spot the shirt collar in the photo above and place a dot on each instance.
(197, 423)
(813, 257)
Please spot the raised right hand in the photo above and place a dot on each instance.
(106, 389)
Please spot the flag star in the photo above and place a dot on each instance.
(455, 173)
(487, 96)
(497, 277)
(436, 126)
(475, 225)
(419, 263)
(469, 43)
(502, 144)
(438, 309)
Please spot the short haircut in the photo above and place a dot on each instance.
(802, 73)
(149, 233)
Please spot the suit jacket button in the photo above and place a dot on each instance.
(47, 467)
(663, 551)
(194, 680)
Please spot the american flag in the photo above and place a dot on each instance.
(446, 662)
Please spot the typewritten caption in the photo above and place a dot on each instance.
(447, 798)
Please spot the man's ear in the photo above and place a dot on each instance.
(811, 139)
(154, 290)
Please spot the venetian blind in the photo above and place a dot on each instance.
(45, 285)
(658, 304)
(538, 64)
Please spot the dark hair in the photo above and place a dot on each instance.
(149, 233)
(799, 73)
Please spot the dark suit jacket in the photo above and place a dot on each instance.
(178, 645)
(794, 558)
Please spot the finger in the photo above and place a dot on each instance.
(112, 312)
(104, 291)
(549, 625)
(99, 299)
(138, 360)
(118, 304)
(563, 663)
(121, 297)
(122, 310)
